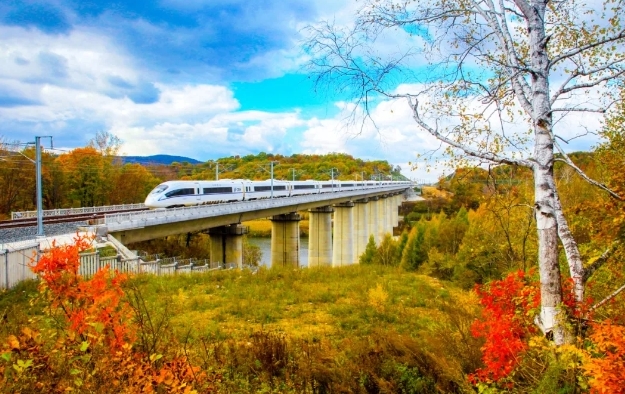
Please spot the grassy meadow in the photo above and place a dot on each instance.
(353, 329)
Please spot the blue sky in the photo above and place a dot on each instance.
(197, 78)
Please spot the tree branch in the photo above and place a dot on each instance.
(566, 159)
(491, 157)
(608, 298)
(583, 48)
(596, 110)
(571, 250)
(600, 261)
(564, 90)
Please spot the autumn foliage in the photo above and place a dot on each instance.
(505, 325)
(89, 344)
(92, 307)
(605, 361)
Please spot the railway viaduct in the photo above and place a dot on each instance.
(357, 215)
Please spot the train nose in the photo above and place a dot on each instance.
(149, 201)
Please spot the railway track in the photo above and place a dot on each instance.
(83, 217)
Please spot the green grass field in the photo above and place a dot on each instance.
(412, 320)
(351, 329)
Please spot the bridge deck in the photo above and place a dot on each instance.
(145, 225)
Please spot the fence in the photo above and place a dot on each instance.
(15, 265)
(73, 211)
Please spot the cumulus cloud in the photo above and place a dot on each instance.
(76, 82)
(394, 136)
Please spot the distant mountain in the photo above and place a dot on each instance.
(157, 159)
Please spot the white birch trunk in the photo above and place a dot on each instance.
(574, 258)
(551, 317)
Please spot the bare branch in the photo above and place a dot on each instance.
(595, 110)
(523, 91)
(491, 157)
(566, 159)
(525, 8)
(577, 136)
(607, 299)
(600, 261)
(591, 84)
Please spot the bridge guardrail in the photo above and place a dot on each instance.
(75, 211)
(160, 216)
(15, 265)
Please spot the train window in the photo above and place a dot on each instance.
(348, 185)
(217, 190)
(180, 192)
(327, 185)
(268, 188)
(304, 186)
(159, 189)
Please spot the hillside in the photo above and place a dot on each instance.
(157, 159)
(295, 167)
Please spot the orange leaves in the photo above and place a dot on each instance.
(92, 307)
(58, 268)
(605, 363)
(95, 346)
(13, 343)
(505, 325)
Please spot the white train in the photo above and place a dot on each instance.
(187, 193)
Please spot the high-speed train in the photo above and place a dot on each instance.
(187, 193)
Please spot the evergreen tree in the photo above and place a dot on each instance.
(401, 245)
(370, 251)
(415, 252)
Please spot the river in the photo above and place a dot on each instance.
(264, 243)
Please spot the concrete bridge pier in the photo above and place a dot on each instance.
(397, 200)
(343, 241)
(285, 240)
(320, 237)
(390, 206)
(227, 245)
(373, 219)
(383, 222)
(361, 227)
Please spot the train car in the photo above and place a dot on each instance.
(370, 184)
(299, 188)
(262, 189)
(329, 186)
(347, 185)
(174, 194)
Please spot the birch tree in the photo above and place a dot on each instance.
(471, 72)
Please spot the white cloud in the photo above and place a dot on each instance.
(396, 139)
(193, 120)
